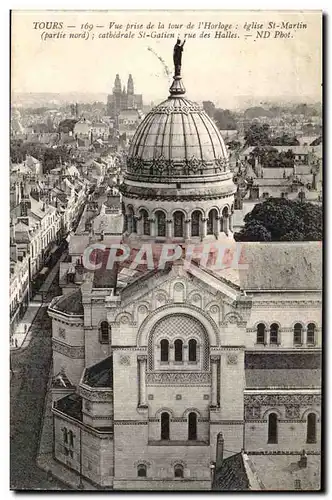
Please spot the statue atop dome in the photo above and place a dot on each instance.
(177, 56)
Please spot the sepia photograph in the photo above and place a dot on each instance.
(166, 240)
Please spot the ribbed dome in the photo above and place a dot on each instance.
(177, 138)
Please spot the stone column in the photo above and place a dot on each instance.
(214, 385)
(142, 383)
(185, 353)
(204, 228)
(187, 229)
(169, 228)
(231, 221)
(216, 228)
(135, 224)
(226, 225)
(171, 352)
(152, 227)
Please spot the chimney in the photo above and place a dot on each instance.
(303, 460)
(212, 472)
(220, 450)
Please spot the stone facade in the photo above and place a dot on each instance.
(182, 354)
(213, 387)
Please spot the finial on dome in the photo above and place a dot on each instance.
(177, 87)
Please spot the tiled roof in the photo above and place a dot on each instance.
(283, 379)
(282, 361)
(70, 405)
(237, 473)
(282, 472)
(105, 278)
(100, 375)
(282, 266)
(70, 303)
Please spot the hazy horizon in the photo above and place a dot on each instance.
(70, 97)
(222, 70)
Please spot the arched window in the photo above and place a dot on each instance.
(260, 338)
(65, 435)
(165, 425)
(164, 350)
(71, 438)
(161, 223)
(145, 222)
(141, 470)
(311, 334)
(212, 221)
(298, 334)
(104, 333)
(196, 219)
(273, 428)
(178, 471)
(209, 224)
(192, 350)
(274, 333)
(192, 426)
(178, 348)
(132, 223)
(178, 221)
(311, 428)
(224, 220)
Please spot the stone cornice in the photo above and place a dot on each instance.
(178, 378)
(97, 395)
(75, 352)
(87, 428)
(282, 304)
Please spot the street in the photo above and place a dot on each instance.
(28, 386)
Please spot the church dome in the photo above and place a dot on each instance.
(177, 184)
(177, 139)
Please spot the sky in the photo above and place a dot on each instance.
(224, 70)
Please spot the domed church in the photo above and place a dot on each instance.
(179, 378)
(178, 184)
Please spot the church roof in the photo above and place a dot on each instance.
(237, 474)
(70, 405)
(99, 375)
(283, 472)
(70, 303)
(178, 131)
(282, 266)
(291, 370)
(283, 379)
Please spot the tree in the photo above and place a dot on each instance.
(209, 108)
(224, 119)
(233, 145)
(67, 125)
(257, 134)
(285, 140)
(284, 220)
(257, 112)
(254, 232)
